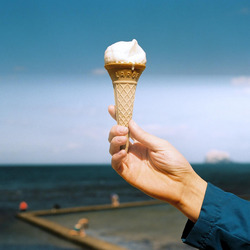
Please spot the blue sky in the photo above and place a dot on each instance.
(54, 91)
(180, 37)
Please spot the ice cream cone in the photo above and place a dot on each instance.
(124, 77)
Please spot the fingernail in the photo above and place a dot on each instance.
(121, 152)
(123, 129)
(133, 123)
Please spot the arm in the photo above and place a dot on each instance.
(224, 222)
(155, 167)
(218, 221)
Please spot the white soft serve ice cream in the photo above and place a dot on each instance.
(125, 52)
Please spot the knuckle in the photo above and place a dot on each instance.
(110, 151)
(112, 133)
(118, 139)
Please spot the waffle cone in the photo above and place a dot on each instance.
(124, 78)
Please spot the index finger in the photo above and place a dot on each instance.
(111, 110)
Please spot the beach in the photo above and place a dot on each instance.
(149, 227)
(59, 80)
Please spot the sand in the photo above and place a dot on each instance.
(145, 228)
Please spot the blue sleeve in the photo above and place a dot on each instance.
(224, 222)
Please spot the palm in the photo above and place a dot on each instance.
(144, 168)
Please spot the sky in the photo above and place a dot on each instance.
(54, 91)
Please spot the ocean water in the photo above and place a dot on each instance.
(69, 185)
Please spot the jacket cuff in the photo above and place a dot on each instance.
(200, 233)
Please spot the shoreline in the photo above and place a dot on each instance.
(35, 218)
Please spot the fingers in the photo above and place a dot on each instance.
(111, 110)
(117, 160)
(150, 141)
(117, 138)
(116, 144)
(117, 130)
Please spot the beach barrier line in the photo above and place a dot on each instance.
(94, 208)
(64, 232)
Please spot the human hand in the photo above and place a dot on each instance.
(155, 167)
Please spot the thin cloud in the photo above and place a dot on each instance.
(67, 148)
(73, 145)
(89, 132)
(241, 81)
(99, 71)
(19, 68)
(163, 130)
(245, 11)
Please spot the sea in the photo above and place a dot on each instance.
(46, 186)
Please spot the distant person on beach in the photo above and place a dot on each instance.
(23, 206)
(216, 219)
(79, 228)
(56, 206)
(115, 200)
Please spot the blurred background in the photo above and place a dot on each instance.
(54, 91)
(54, 95)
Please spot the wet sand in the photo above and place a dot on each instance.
(155, 227)
(23, 236)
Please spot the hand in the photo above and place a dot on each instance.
(155, 167)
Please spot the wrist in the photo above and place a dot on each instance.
(192, 197)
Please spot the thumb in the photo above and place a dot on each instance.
(150, 141)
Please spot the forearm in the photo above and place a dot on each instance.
(194, 189)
